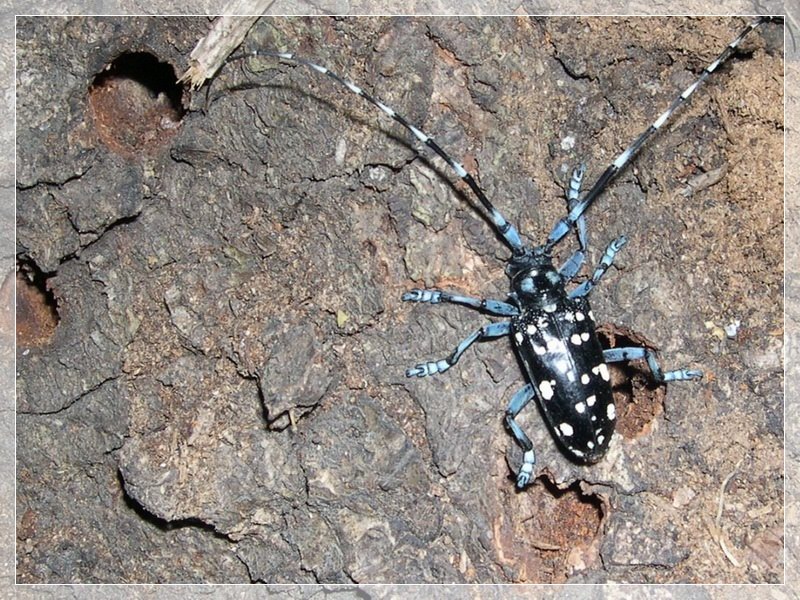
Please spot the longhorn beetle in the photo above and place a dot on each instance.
(553, 328)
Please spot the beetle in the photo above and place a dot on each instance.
(552, 327)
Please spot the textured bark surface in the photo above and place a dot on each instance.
(222, 397)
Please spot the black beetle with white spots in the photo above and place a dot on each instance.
(552, 327)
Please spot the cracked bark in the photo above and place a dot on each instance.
(259, 227)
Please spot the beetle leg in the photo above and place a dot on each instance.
(633, 353)
(495, 307)
(492, 330)
(572, 200)
(605, 262)
(518, 402)
(574, 263)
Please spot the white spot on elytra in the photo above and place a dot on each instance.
(549, 308)
(611, 410)
(585, 379)
(575, 339)
(531, 329)
(601, 439)
(546, 389)
(585, 336)
(554, 345)
(591, 315)
(579, 315)
(580, 407)
(591, 400)
(562, 365)
(566, 429)
(590, 445)
(519, 337)
(604, 372)
(538, 349)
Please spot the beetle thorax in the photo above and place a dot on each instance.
(537, 284)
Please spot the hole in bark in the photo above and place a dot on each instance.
(37, 308)
(574, 516)
(136, 104)
(559, 537)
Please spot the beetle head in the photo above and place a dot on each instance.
(534, 277)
